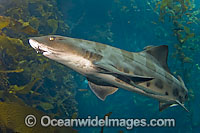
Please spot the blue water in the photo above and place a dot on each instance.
(132, 30)
(126, 24)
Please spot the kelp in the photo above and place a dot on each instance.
(17, 26)
(46, 106)
(176, 9)
(10, 48)
(22, 89)
(4, 83)
(12, 117)
(27, 78)
(9, 97)
(12, 71)
(184, 18)
(184, 34)
(53, 24)
(4, 22)
(41, 15)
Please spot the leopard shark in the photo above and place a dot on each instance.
(108, 68)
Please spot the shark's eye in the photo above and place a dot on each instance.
(52, 38)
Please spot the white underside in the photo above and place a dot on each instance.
(78, 63)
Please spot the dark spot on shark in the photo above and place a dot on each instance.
(138, 71)
(91, 55)
(166, 93)
(98, 57)
(148, 84)
(175, 92)
(159, 84)
(126, 70)
(87, 54)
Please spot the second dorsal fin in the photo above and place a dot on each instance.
(160, 53)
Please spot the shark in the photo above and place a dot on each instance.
(109, 68)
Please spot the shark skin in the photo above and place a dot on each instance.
(108, 68)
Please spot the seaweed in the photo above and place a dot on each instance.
(4, 22)
(24, 74)
(176, 9)
(12, 71)
(22, 89)
(184, 18)
(53, 24)
(12, 119)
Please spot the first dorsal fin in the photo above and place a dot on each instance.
(160, 53)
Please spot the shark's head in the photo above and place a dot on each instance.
(52, 46)
(65, 50)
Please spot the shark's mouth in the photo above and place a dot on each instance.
(39, 48)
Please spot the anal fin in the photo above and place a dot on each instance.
(163, 105)
(102, 91)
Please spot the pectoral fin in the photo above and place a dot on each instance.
(102, 91)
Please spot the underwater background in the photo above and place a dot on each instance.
(31, 82)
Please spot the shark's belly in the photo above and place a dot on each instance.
(113, 81)
(78, 64)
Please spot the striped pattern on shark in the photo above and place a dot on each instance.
(108, 68)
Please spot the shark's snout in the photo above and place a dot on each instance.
(33, 43)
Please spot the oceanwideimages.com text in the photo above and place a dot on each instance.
(129, 124)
